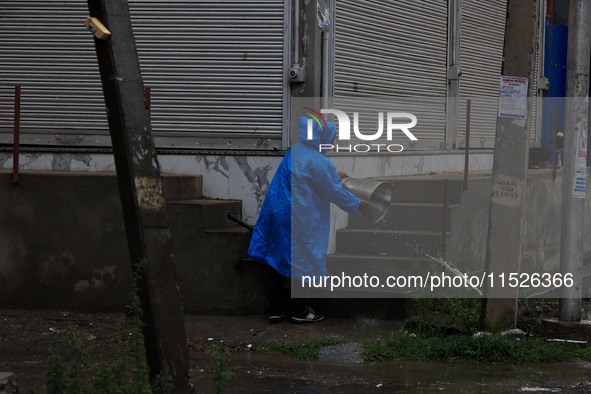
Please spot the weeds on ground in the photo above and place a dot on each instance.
(465, 348)
(67, 375)
(483, 349)
(444, 316)
(532, 311)
(443, 329)
(129, 373)
(219, 370)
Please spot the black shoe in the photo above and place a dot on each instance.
(307, 316)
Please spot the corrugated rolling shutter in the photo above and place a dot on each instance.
(215, 69)
(394, 52)
(481, 57)
(534, 124)
(45, 48)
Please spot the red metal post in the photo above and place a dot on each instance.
(467, 150)
(17, 133)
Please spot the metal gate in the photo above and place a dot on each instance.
(481, 60)
(215, 69)
(393, 54)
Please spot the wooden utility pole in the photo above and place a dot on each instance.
(140, 187)
(509, 177)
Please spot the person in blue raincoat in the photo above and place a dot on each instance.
(292, 231)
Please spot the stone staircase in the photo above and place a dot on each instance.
(213, 274)
(215, 277)
(401, 243)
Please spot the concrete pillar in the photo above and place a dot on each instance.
(140, 188)
(505, 232)
(575, 158)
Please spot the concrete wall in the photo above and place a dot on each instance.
(541, 242)
(466, 242)
(246, 178)
(466, 246)
(63, 243)
(63, 246)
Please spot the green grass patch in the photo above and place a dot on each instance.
(443, 330)
(495, 349)
(483, 349)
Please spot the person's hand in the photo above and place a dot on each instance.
(342, 175)
(364, 206)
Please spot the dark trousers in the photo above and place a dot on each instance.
(275, 294)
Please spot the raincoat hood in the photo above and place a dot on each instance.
(320, 134)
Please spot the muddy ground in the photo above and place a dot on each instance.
(26, 338)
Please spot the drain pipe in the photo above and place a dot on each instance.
(325, 69)
(296, 33)
(324, 24)
(297, 73)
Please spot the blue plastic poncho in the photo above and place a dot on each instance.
(292, 231)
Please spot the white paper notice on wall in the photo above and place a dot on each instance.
(513, 97)
(580, 175)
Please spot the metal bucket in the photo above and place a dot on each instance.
(377, 193)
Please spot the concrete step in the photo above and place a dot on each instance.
(208, 248)
(238, 230)
(338, 263)
(407, 217)
(426, 190)
(205, 213)
(182, 187)
(230, 241)
(387, 242)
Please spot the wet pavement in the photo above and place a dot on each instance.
(237, 332)
(25, 338)
(256, 371)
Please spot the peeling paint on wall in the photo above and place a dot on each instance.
(98, 279)
(4, 157)
(218, 164)
(258, 177)
(63, 162)
(28, 159)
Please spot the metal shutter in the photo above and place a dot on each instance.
(45, 48)
(394, 52)
(481, 57)
(216, 70)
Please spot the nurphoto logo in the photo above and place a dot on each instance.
(395, 121)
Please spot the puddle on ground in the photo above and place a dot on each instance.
(275, 373)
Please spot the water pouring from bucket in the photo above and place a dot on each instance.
(377, 193)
